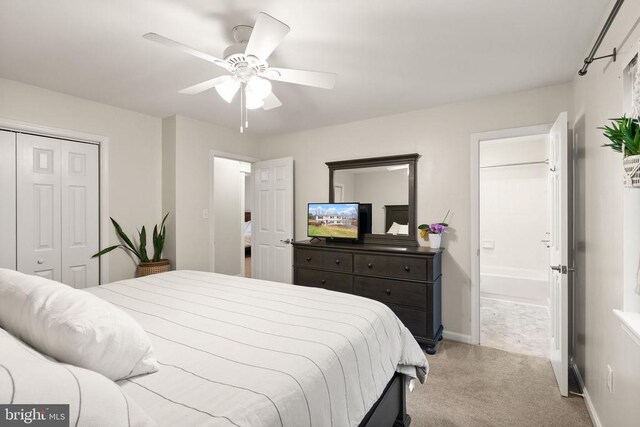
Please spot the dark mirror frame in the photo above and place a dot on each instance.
(411, 160)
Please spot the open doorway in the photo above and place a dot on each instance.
(514, 244)
(230, 206)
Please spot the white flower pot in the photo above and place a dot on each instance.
(435, 240)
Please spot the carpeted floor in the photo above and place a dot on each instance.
(481, 386)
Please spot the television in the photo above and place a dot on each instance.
(333, 221)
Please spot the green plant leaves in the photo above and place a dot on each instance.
(623, 131)
(141, 251)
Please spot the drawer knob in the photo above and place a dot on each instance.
(323, 281)
(308, 258)
(337, 262)
(388, 292)
(406, 268)
(370, 265)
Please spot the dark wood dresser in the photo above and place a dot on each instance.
(407, 279)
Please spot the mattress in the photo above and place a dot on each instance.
(247, 352)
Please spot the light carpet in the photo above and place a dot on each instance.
(480, 386)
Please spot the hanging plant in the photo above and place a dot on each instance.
(623, 131)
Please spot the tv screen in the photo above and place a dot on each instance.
(333, 220)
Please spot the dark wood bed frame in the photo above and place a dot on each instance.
(391, 409)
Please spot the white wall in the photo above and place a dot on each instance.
(228, 215)
(381, 188)
(514, 218)
(194, 141)
(599, 339)
(134, 153)
(441, 135)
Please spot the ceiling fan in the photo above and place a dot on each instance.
(246, 61)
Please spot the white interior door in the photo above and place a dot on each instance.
(8, 200)
(38, 208)
(559, 251)
(272, 220)
(57, 209)
(80, 214)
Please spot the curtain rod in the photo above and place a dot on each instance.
(589, 59)
(516, 164)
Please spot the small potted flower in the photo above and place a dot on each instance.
(434, 231)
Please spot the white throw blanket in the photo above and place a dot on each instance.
(246, 352)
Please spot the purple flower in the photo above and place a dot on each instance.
(437, 228)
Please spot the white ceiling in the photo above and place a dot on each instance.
(391, 56)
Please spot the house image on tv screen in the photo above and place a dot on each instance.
(333, 220)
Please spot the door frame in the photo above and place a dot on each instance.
(103, 155)
(230, 156)
(476, 139)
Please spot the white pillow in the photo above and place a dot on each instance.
(74, 326)
(394, 229)
(403, 229)
(30, 378)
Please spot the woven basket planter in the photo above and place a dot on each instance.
(632, 169)
(147, 268)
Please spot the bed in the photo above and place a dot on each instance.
(192, 348)
(246, 352)
(246, 233)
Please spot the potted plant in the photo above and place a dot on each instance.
(434, 231)
(624, 137)
(146, 266)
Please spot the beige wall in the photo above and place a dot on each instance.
(134, 152)
(600, 340)
(194, 140)
(442, 136)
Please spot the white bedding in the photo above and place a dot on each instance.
(246, 352)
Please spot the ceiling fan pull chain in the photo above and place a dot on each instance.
(241, 108)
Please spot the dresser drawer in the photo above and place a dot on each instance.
(392, 291)
(371, 264)
(307, 258)
(408, 268)
(325, 279)
(339, 261)
(414, 320)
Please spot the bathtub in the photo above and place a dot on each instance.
(514, 284)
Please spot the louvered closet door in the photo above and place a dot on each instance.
(57, 212)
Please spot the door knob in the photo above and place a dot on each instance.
(40, 261)
(288, 241)
(557, 268)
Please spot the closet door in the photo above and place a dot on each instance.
(8, 200)
(58, 209)
(38, 223)
(80, 206)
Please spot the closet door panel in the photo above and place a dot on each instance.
(38, 206)
(7, 200)
(80, 216)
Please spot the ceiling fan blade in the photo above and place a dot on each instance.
(201, 87)
(308, 78)
(267, 34)
(186, 49)
(271, 102)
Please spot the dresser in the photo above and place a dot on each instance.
(405, 278)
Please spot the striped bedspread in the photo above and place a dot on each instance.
(245, 352)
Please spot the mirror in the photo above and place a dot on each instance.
(385, 189)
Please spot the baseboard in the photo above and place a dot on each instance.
(587, 399)
(455, 336)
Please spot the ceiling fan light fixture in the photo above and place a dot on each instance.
(253, 103)
(258, 87)
(228, 89)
